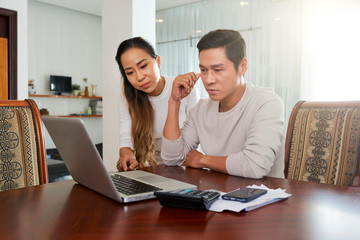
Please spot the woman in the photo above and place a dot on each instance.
(143, 108)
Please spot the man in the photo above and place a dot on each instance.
(240, 127)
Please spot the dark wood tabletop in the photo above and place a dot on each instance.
(67, 210)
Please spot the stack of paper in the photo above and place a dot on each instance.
(273, 195)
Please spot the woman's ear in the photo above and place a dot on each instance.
(242, 67)
(158, 60)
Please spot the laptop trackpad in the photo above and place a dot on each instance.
(153, 179)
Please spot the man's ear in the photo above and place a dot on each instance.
(242, 67)
(158, 60)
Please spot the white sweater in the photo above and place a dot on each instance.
(160, 106)
(251, 134)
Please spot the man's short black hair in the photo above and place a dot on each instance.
(230, 40)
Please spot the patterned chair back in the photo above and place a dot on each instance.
(22, 150)
(323, 143)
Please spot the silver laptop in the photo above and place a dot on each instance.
(86, 166)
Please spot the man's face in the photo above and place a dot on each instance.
(219, 75)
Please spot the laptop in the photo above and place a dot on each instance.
(87, 168)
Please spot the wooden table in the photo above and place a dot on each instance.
(66, 210)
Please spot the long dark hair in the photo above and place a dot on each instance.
(140, 108)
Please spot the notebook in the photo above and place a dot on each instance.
(87, 168)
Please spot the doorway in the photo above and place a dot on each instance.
(8, 54)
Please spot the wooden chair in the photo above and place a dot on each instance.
(22, 150)
(323, 143)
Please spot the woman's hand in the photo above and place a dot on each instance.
(183, 85)
(126, 163)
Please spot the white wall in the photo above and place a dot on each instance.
(120, 20)
(21, 6)
(64, 42)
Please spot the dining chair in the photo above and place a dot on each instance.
(22, 149)
(323, 143)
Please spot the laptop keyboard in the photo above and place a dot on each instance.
(130, 186)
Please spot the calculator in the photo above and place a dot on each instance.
(187, 198)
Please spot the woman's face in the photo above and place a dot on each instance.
(142, 70)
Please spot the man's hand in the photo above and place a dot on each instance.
(182, 85)
(126, 163)
(194, 159)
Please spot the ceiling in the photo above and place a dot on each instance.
(94, 6)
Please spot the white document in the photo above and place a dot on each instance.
(273, 195)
